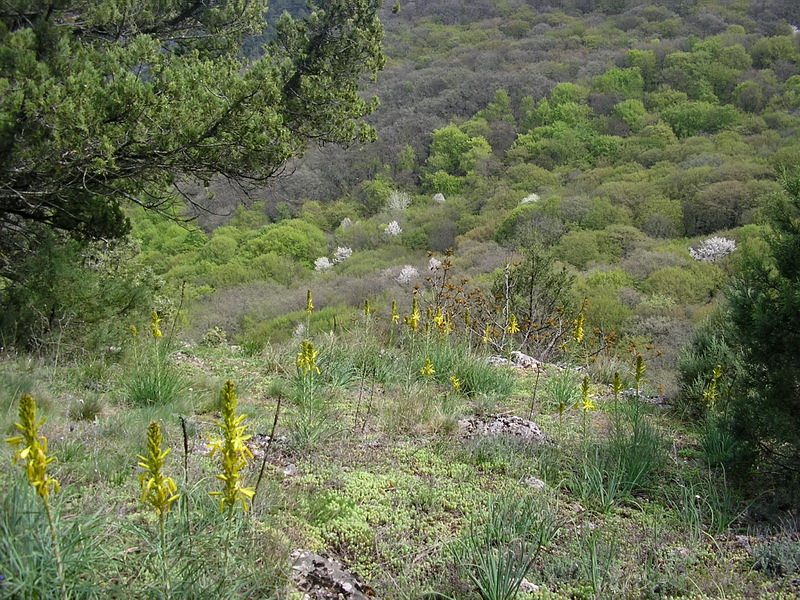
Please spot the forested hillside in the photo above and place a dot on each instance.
(526, 326)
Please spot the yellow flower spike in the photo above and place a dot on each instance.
(486, 334)
(616, 385)
(438, 318)
(395, 314)
(448, 324)
(456, 383)
(307, 358)
(155, 325)
(513, 326)
(233, 452)
(577, 331)
(367, 308)
(467, 318)
(134, 331)
(586, 400)
(309, 302)
(32, 449)
(639, 368)
(427, 370)
(413, 320)
(710, 395)
(157, 490)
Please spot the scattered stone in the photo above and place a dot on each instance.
(290, 470)
(535, 483)
(501, 424)
(188, 359)
(498, 361)
(654, 400)
(523, 361)
(519, 360)
(323, 578)
(526, 587)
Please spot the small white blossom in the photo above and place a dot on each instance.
(407, 273)
(530, 199)
(341, 254)
(399, 201)
(434, 264)
(438, 198)
(323, 263)
(713, 249)
(393, 229)
(346, 222)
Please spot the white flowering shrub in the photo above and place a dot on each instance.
(342, 254)
(434, 264)
(438, 198)
(713, 249)
(530, 199)
(399, 201)
(323, 263)
(393, 229)
(346, 222)
(407, 274)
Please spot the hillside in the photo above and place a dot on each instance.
(537, 341)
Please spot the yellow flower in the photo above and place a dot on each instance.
(155, 325)
(586, 400)
(395, 314)
(616, 385)
(157, 490)
(486, 334)
(467, 318)
(513, 326)
(233, 451)
(577, 331)
(307, 358)
(428, 369)
(438, 319)
(309, 303)
(413, 320)
(33, 449)
(134, 331)
(456, 383)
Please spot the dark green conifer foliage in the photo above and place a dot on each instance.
(765, 311)
(108, 101)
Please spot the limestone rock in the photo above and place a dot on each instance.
(323, 578)
(502, 424)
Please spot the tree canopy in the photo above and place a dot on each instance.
(103, 102)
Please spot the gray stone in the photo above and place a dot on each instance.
(501, 425)
(324, 578)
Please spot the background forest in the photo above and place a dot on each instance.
(610, 187)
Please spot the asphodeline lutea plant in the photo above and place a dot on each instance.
(31, 455)
(155, 325)
(309, 302)
(587, 403)
(428, 370)
(307, 358)
(639, 368)
(31, 450)
(158, 490)
(233, 452)
(413, 319)
(711, 394)
(456, 383)
(395, 314)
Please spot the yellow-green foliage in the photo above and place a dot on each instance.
(158, 490)
(32, 449)
(233, 452)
